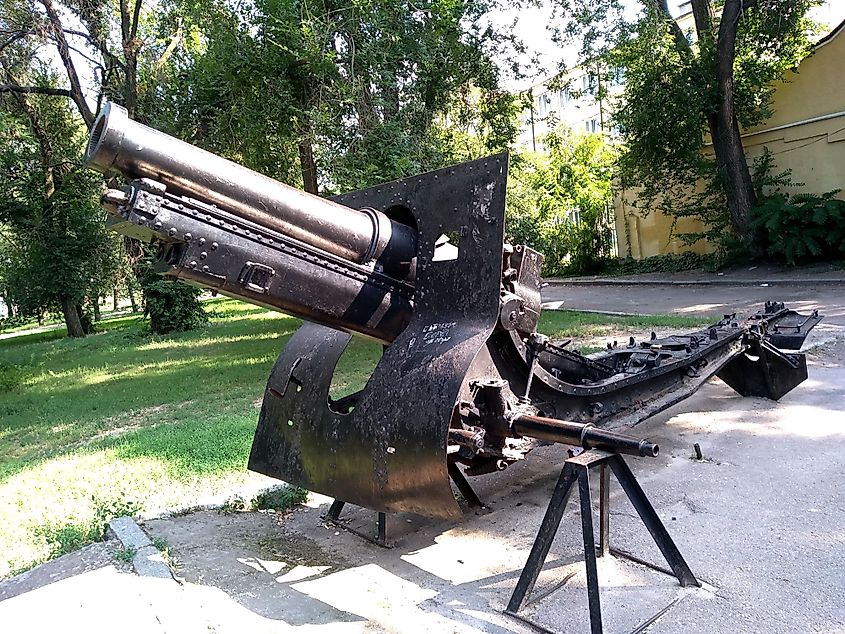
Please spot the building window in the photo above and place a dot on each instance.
(618, 77)
(541, 105)
(564, 97)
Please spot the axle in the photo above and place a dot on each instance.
(586, 435)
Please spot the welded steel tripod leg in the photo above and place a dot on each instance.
(333, 516)
(463, 486)
(604, 510)
(334, 510)
(545, 537)
(593, 597)
(652, 522)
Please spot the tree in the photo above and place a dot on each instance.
(359, 90)
(558, 200)
(683, 89)
(115, 42)
(59, 249)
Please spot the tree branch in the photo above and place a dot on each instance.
(171, 46)
(681, 42)
(44, 142)
(14, 38)
(136, 18)
(36, 90)
(64, 53)
(100, 46)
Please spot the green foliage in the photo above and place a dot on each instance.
(671, 98)
(11, 376)
(798, 227)
(126, 555)
(61, 537)
(280, 498)
(172, 306)
(802, 227)
(365, 87)
(559, 201)
(566, 324)
(665, 263)
(56, 246)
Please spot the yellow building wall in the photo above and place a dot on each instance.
(806, 134)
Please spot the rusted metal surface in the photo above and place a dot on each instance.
(389, 452)
(420, 265)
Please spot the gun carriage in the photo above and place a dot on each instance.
(421, 266)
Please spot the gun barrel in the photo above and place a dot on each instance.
(584, 435)
(120, 144)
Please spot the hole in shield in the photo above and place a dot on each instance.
(447, 246)
(352, 372)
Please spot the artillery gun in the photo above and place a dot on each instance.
(420, 265)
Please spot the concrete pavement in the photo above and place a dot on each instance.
(698, 300)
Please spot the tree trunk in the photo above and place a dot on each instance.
(308, 166)
(96, 304)
(71, 315)
(131, 293)
(727, 140)
(114, 298)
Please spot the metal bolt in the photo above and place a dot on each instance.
(202, 241)
(205, 269)
(193, 264)
(188, 237)
(214, 246)
(157, 225)
(172, 231)
(203, 255)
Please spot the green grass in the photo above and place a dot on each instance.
(125, 555)
(122, 422)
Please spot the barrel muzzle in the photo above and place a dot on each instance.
(106, 138)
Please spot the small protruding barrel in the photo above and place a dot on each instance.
(137, 151)
(583, 435)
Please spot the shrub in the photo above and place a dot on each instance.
(280, 498)
(171, 305)
(802, 227)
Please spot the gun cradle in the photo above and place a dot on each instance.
(464, 377)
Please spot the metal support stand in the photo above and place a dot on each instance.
(333, 514)
(464, 487)
(577, 469)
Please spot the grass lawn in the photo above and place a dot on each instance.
(123, 422)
